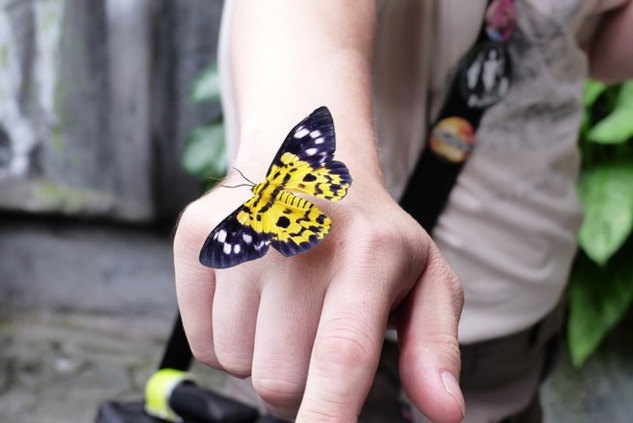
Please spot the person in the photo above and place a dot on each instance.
(309, 330)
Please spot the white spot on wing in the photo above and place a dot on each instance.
(237, 248)
(315, 134)
(247, 238)
(319, 140)
(227, 248)
(312, 151)
(301, 133)
(221, 236)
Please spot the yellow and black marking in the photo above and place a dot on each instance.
(329, 183)
(274, 215)
(297, 224)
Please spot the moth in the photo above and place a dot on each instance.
(274, 215)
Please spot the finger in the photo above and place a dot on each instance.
(286, 326)
(195, 284)
(427, 334)
(234, 318)
(345, 353)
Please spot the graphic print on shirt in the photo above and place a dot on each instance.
(540, 114)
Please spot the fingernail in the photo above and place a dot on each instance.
(452, 387)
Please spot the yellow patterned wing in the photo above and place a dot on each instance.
(297, 225)
(329, 182)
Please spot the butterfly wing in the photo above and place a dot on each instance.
(235, 240)
(330, 182)
(304, 162)
(297, 225)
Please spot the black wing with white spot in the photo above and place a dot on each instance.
(312, 141)
(232, 243)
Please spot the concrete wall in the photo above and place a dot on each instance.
(93, 104)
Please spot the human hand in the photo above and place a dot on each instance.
(309, 329)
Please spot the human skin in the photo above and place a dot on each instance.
(610, 53)
(309, 329)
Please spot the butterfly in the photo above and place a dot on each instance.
(274, 215)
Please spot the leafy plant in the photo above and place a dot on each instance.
(601, 282)
(204, 153)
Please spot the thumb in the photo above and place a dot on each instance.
(429, 350)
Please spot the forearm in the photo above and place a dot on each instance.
(289, 58)
(610, 53)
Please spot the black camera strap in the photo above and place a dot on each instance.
(483, 77)
(177, 353)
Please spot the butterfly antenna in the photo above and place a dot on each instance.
(240, 172)
(237, 186)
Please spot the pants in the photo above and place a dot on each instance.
(500, 378)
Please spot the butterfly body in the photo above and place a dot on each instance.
(274, 215)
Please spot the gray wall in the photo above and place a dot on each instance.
(93, 104)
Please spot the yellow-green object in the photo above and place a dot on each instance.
(158, 390)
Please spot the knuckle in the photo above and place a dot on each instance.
(375, 238)
(325, 411)
(238, 365)
(454, 288)
(452, 283)
(373, 234)
(345, 342)
(278, 391)
(368, 244)
(189, 215)
(188, 227)
(447, 349)
(457, 292)
(237, 370)
(205, 356)
(443, 348)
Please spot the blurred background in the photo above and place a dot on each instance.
(109, 126)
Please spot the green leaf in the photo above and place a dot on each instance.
(606, 193)
(204, 154)
(625, 96)
(617, 127)
(598, 298)
(593, 89)
(206, 87)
